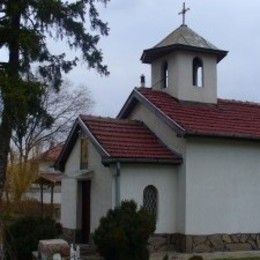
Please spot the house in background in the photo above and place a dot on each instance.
(47, 186)
(189, 158)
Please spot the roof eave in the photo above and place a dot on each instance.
(111, 160)
(192, 133)
(70, 142)
(149, 55)
(137, 96)
(60, 162)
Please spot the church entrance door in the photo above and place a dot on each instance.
(85, 217)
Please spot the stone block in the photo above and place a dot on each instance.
(48, 248)
(226, 238)
(183, 244)
(199, 240)
(235, 238)
(243, 238)
(159, 243)
(252, 243)
(258, 241)
(239, 247)
(217, 242)
(189, 244)
(202, 248)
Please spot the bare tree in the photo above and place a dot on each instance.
(41, 130)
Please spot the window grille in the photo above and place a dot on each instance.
(150, 200)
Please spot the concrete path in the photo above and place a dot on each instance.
(206, 256)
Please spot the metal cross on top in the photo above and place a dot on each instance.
(183, 13)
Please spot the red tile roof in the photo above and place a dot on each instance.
(52, 154)
(226, 118)
(122, 138)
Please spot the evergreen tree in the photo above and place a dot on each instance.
(25, 27)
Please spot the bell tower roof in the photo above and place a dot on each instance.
(183, 38)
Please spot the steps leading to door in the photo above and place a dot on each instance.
(88, 252)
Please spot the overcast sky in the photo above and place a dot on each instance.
(139, 24)
(232, 25)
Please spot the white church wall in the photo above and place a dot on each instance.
(181, 203)
(72, 166)
(68, 203)
(69, 189)
(168, 137)
(180, 76)
(222, 186)
(158, 127)
(135, 177)
(184, 84)
(101, 189)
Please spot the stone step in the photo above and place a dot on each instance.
(87, 250)
(93, 257)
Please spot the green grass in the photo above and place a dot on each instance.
(241, 258)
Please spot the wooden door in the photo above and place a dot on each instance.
(85, 220)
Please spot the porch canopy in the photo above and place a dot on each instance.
(48, 179)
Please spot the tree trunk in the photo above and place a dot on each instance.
(8, 102)
(5, 136)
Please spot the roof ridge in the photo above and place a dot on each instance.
(103, 118)
(181, 30)
(167, 36)
(227, 118)
(241, 102)
(224, 100)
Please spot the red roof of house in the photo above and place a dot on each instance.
(52, 154)
(226, 118)
(49, 178)
(122, 138)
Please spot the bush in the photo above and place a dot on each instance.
(124, 232)
(26, 207)
(196, 257)
(23, 235)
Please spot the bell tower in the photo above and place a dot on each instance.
(184, 65)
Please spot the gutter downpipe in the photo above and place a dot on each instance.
(117, 184)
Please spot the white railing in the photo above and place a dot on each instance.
(74, 252)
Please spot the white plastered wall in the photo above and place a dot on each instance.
(223, 190)
(135, 177)
(69, 189)
(101, 189)
(158, 127)
(180, 76)
(169, 138)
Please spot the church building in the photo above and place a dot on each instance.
(190, 158)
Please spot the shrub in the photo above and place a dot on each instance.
(196, 257)
(26, 207)
(124, 232)
(23, 235)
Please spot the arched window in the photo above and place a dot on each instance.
(165, 75)
(150, 199)
(197, 68)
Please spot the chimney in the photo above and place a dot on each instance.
(142, 80)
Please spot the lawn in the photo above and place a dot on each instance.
(242, 258)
